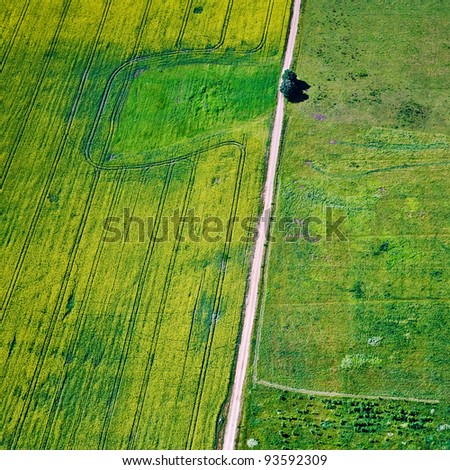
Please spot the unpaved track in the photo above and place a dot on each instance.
(320, 393)
(234, 412)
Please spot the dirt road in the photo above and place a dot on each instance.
(255, 275)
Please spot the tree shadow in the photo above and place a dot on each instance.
(298, 94)
(302, 85)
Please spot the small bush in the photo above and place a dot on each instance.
(411, 114)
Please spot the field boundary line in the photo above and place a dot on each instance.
(404, 235)
(404, 166)
(320, 393)
(359, 302)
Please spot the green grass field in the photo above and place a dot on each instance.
(143, 107)
(368, 315)
(211, 101)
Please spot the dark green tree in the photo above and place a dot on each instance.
(292, 88)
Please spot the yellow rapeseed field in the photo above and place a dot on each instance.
(112, 339)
